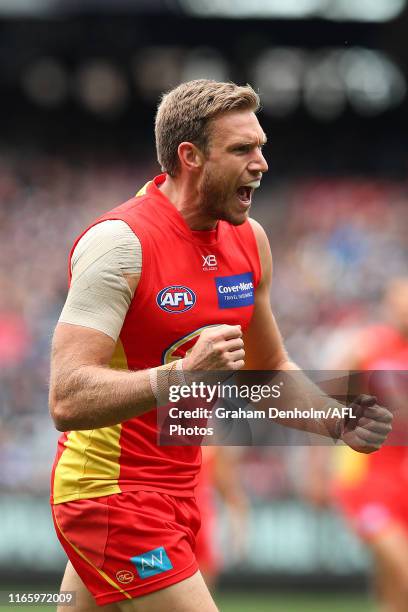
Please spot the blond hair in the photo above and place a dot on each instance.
(185, 113)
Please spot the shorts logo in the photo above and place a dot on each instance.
(152, 562)
(124, 576)
(176, 299)
(236, 290)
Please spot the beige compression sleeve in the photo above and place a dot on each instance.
(99, 295)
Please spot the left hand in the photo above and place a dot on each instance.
(368, 431)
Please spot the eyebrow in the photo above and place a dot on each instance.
(244, 143)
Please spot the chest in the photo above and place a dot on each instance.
(185, 288)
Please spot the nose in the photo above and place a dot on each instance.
(259, 163)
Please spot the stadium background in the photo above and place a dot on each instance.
(79, 82)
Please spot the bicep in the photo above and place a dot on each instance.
(74, 346)
(264, 348)
(106, 267)
(78, 353)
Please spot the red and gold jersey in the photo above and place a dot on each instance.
(189, 280)
(386, 351)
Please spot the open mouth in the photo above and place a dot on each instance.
(244, 194)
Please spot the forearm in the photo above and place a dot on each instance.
(85, 393)
(302, 392)
(92, 396)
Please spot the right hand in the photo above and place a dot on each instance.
(367, 430)
(218, 348)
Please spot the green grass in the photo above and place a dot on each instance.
(294, 603)
(245, 602)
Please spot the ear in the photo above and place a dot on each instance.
(190, 156)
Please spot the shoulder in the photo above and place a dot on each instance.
(264, 248)
(260, 234)
(106, 236)
(111, 244)
(111, 228)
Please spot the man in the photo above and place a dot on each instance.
(148, 288)
(374, 498)
(372, 490)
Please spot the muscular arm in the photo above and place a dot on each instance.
(264, 350)
(85, 393)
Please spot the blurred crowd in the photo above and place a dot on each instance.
(335, 243)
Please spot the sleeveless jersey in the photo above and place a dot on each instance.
(386, 350)
(189, 280)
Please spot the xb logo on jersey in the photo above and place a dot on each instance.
(209, 262)
(176, 299)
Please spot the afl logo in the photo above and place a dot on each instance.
(176, 299)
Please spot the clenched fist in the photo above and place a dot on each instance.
(368, 431)
(218, 348)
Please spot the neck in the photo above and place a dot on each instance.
(185, 197)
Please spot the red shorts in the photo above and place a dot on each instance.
(131, 544)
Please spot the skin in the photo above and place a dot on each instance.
(80, 373)
(186, 596)
(390, 551)
(235, 158)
